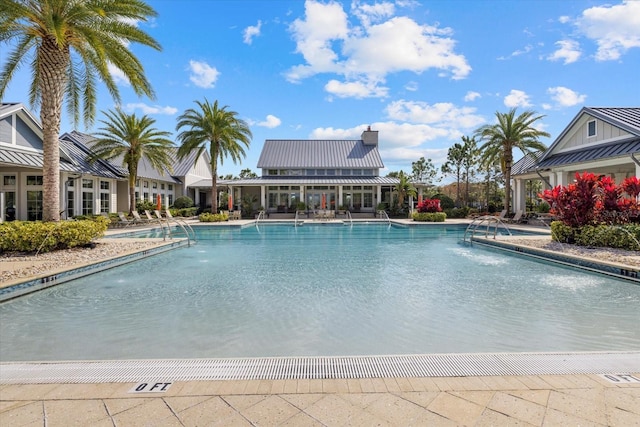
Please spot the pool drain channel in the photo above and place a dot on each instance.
(275, 368)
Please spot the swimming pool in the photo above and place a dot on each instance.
(321, 291)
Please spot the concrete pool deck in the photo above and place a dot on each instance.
(542, 399)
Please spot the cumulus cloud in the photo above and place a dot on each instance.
(444, 115)
(366, 53)
(565, 97)
(471, 96)
(270, 122)
(568, 50)
(150, 109)
(517, 98)
(251, 32)
(202, 74)
(615, 29)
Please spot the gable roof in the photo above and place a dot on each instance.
(626, 118)
(604, 151)
(145, 170)
(288, 153)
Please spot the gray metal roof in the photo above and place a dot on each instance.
(626, 118)
(35, 160)
(526, 164)
(288, 153)
(616, 149)
(145, 170)
(374, 180)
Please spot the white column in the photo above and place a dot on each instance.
(263, 197)
(379, 196)
(2, 207)
(561, 178)
(519, 195)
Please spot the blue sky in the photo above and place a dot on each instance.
(422, 73)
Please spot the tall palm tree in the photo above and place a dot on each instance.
(501, 138)
(217, 128)
(132, 138)
(404, 188)
(98, 33)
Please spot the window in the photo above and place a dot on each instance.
(87, 183)
(154, 185)
(162, 186)
(9, 180)
(346, 172)
(591, 128)
(87, 203)
(272, 172)
(34, 179)
(104, 185)
(170, 187)
(34, 205)
(331, 172)
(145, 184)
(170, 199)
(70, 203)
(104, 202)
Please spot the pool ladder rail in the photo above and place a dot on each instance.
(487, 222)
(165, 224)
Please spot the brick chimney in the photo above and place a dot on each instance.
(370, 137)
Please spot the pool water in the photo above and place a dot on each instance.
(323, 291)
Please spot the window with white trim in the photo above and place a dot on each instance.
(591, 129)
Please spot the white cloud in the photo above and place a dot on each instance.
(411, 86)
(564, 19)
(565, 97)
(443, 115)
(251, 32)
(270, 122)
(202, 74)
(118, 76)
(150, 109)
(517, 98)
(615, 29)
(364, 54)
(356, 90)
(471, 96)
(569, 51)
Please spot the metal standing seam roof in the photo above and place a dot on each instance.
(373, 180)
(526, 164)
(279, 153)
(606, 151)
(627, 118)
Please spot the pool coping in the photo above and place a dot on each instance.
(334, 367)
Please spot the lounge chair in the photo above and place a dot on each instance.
(138, 219)
(517, 218)
(124, 220)
(503, 215)
(149, 216)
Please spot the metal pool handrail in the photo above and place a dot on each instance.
(488, 220)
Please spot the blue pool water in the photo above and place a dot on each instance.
(323, 290)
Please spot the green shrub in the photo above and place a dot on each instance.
(543, 207)
(622, 237)
(32, 236)
(145, 205)
(446, 202)
(184, 212)
(560, 232)
(457, 212)
(429, 216)
(183, 202)
(209, 217)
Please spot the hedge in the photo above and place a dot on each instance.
(209, 217)
(36, 236)
(626, 236)
(429, 216)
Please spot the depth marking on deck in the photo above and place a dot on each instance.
(620, 378)
(151, 387)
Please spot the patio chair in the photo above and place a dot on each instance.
(517, 218)
(503, 215)
(149, 216)
(124, 221)
(138, 219)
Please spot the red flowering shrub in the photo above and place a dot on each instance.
(593, 200)
(429, 205)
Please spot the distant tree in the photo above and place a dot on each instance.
(248, 173)
(217, 128)
(501, 138)
(454, 166)
(227, 177)
(394, 174)
(74, 42)
(423, 171)
(469, 163)
(132, 138)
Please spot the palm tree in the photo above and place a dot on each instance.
(501, 138)
(404, 188)
(132, 138)
(218, 129)
(98, 33)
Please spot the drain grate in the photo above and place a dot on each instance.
(272, 368)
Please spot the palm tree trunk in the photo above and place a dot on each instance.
(214, 187)
(52, 67)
